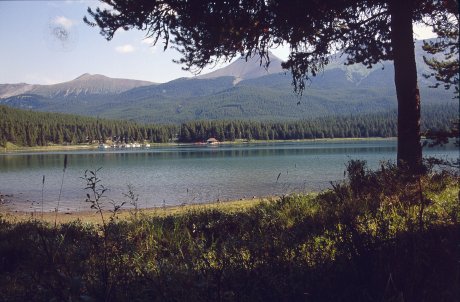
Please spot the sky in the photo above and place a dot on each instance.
(47, 42)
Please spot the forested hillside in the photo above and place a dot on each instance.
(434, 117)
(28, 128)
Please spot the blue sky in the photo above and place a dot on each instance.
(46, 42)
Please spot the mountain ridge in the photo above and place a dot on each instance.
(247, 68)
(235, 92)
(84, 84)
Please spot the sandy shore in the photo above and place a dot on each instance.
(94, 217)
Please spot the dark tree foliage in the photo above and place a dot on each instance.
(444, 64)
(436, 118)
(445, 67)
(363, 126)
(366, 31)
(28, 128)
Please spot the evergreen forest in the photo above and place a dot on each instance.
(29, 128)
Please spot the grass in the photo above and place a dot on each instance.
(126, 214)
(10, 147)
(378, 236)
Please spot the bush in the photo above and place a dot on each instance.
(380, 235)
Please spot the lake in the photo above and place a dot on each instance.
(188, 173)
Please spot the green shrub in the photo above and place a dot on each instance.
(378, 236)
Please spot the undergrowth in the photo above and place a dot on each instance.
(378, 236)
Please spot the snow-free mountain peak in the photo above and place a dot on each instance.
(242, 69)
(86, 84)
(83, 76)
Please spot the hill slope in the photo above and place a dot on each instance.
(243, 69)
(237, 91)
(86, 84)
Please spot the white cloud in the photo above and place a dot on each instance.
(63, 21)
(127, 48)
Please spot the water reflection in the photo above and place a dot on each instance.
(33, 161)
(187, 174)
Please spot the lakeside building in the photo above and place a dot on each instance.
(212, 141)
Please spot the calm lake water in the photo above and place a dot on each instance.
(188, 174)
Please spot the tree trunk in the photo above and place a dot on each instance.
(409, 147)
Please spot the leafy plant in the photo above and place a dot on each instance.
(133, 200)
(97, 192)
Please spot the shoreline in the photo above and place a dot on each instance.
(88, 216)
(11, 149)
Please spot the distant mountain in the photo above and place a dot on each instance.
(243, 69)
(86, 84)
(360, 75)
(8, 90)
(242, 90)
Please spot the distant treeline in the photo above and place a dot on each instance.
(30, 128)
(434, 117)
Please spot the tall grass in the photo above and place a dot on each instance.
(43, 189)
(60, 189)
